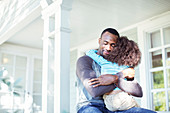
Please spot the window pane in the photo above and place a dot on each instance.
(37, 84)
(37, 64)
(158, 80)
(37, 104)
(7, 59)
(21, 74)
(37, 99)
(37, 88)
(168, 75)
(167, 35)
(50, 104)
(156, 58)
(21, 61)
(37, 75)
(155, 39)
(167, 50)
(159, 101)
(10, 70)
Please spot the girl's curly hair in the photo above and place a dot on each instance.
(126, 52)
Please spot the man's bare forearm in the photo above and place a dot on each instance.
(85, 73)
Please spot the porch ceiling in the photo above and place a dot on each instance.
(90, 17)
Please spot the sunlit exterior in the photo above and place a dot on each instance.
(38, 61)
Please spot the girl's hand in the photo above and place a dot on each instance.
(128, 73)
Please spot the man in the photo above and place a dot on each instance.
(90, 90)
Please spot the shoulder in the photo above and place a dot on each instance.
(84, 62)
(85, 58)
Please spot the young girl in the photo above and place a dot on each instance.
(125, 54)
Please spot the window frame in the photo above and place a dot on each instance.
(161, 68)
(144, 30)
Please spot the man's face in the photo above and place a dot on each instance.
(106, 44)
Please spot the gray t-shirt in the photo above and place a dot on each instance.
(83, 97)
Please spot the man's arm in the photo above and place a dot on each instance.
(85, 72)
(131, 87)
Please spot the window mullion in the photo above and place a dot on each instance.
(164, 68)
(150, 79)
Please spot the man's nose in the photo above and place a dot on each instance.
(108, 48)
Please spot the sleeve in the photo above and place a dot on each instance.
(97, 58)
(85, 72)
(131, 87)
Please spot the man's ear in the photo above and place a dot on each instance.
(99, 40)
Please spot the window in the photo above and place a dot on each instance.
(159, 59)
(16, 66)
(26, 67)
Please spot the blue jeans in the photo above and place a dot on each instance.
(100, 108)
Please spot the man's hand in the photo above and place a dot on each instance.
(128, 73)
(106, 79)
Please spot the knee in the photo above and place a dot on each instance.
(89, 109)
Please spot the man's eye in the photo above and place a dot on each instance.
(113, 45)
(105, 43)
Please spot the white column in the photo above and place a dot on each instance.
(56, 50)
(45, 65)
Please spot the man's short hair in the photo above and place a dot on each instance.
(110, 30)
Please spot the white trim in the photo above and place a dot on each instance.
(142, 68)
(156, 69)
(44, 75)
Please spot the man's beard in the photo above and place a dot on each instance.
(111, 56)
(106, 57)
